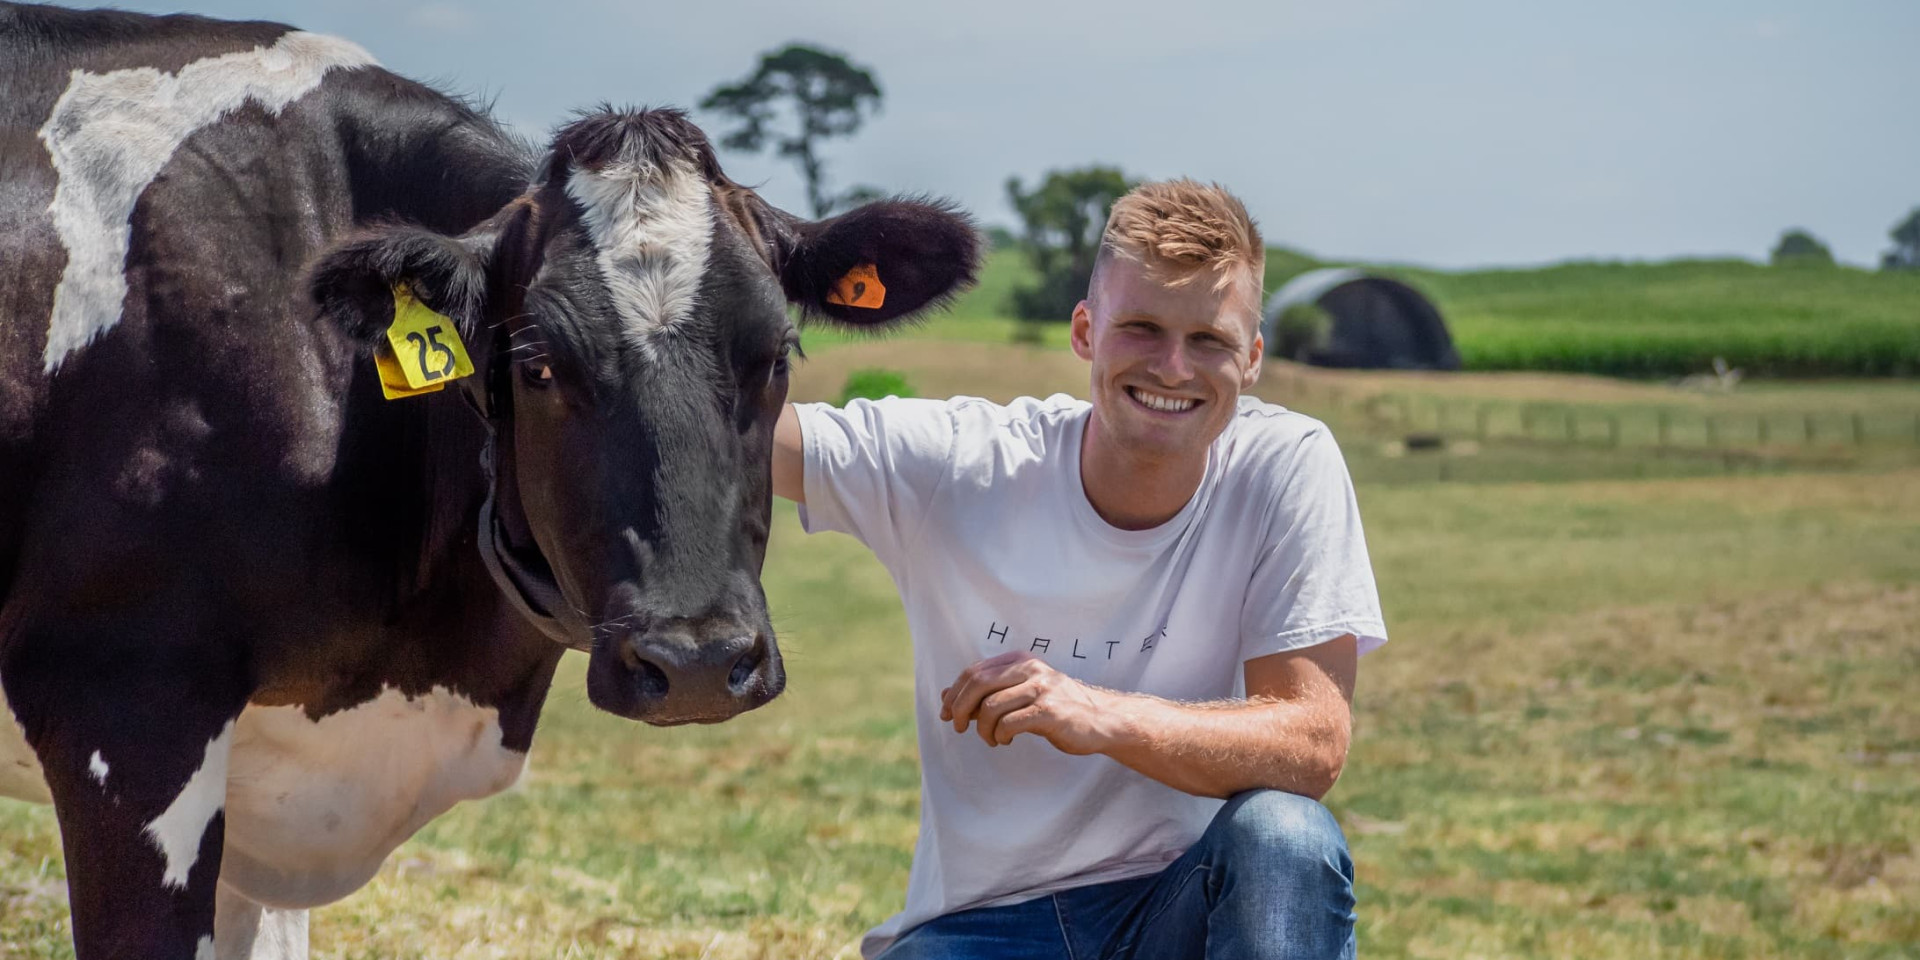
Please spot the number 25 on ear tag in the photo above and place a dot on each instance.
(427, 351)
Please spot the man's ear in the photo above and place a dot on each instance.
(879, 263)
(352, 283)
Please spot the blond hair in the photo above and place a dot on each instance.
(1182, 229)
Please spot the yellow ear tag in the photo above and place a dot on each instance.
(393, 382)
(427, 351)
(861, 287)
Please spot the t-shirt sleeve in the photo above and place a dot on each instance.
(873, 467)
(1313, 581)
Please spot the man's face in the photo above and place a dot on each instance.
(1169, 363)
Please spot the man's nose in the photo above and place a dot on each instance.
(1170, 365)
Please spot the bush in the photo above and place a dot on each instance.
(874, 383)
(1302, 328)
(1800, 248)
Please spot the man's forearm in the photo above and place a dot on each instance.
(1220, 749)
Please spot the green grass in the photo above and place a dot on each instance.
(1620, 319)
(1617, 720)
(1667, 319)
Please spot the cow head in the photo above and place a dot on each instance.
(629, 317)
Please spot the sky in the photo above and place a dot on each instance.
(1456, 134)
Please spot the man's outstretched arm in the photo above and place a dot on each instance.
(789, 457)
(1291, 733)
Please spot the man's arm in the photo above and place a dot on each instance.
(1291, 733)
(789, 457)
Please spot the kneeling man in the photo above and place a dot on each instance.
(1135, 623)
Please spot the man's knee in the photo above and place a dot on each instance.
(1279, 834)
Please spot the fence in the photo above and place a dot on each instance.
(1659, 427)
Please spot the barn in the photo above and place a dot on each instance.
(1374, 322)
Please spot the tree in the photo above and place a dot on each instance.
(1063, 217)
(828, 96)
(1905, 254)
(1798, 247)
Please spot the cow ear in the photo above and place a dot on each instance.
(352, 283)
(881, 262)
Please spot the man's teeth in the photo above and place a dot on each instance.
(1164, 404)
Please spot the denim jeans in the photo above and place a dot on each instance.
(1269, 879)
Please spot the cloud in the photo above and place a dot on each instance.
(442, 18)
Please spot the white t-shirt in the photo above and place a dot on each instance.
(978, 512)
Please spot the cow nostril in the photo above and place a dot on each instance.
(743, 668)
(649, 680)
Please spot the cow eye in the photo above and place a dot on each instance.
(537, 374)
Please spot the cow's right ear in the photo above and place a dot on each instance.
(352, 283)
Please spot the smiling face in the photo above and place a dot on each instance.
(1169, 361)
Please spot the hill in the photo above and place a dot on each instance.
(1621, 319)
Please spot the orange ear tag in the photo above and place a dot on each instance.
(861, 287)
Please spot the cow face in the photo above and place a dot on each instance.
(630, 316)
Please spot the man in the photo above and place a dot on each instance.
(1105, 578)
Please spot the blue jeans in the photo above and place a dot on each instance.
(1269, 879)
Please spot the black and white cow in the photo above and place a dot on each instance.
(258, 624)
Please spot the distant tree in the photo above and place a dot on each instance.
(827, 95)
(859, 195)
(1798, 247)
(1000, 238)
(1905, 254)
(1063, 216)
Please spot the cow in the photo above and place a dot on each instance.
(259, 622)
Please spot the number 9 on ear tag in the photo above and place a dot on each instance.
(426, 350)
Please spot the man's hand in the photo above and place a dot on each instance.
(1017, 692)
(1290, 733)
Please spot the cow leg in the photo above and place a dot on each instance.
(135, 756)
(245, 930)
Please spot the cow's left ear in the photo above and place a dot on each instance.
(880, 262)
(353, 282)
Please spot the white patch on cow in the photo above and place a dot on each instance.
(97, 768)
(20, 774)
(245, 930)
(204, 950)
(314, 808)
(111, 133)
(178, 830)
(652, 228)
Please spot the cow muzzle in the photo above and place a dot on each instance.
(685, 671)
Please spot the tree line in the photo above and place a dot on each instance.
(800, 96)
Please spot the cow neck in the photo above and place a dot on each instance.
(513, 560)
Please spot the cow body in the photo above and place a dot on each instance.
(245, 630)
(189, 500)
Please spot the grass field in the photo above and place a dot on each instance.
(1619, 718)
(1620, 319)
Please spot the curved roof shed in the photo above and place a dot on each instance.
(1377, 322)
